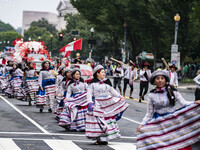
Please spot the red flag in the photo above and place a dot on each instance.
(73, 46)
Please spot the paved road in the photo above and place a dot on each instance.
(23, 127)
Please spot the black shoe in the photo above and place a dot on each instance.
(41, 110)
(140, 100)
(50, 110)
(29, 103)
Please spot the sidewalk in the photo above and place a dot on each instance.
(187, 86)
(181, 86)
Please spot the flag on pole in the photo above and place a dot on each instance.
(73, 46)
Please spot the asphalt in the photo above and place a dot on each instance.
(29, 129)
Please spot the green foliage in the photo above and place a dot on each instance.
(43, 23)
(8, 36)
(5, 27)
(150, 24)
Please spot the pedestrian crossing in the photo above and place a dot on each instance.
(52, 144)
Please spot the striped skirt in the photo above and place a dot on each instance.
(5, 81)
(103, 129)
(15, 85)
(31, 85)
(48, 91)
(102, 122)
(172, 131)
(74, 115)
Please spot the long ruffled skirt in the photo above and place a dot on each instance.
(175, 130)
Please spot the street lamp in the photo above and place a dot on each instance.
(174, 49)
(51, 36)
(29, 39)
(176, 19)
(124, 49)
(39, 38)
(92, 36)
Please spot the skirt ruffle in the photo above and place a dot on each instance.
(172, 131)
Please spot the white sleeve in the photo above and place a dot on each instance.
(122, 73)
(69, 92)
(197, 79)
(181, 100)
(90, 93)
(136, 74)
(40, 79)
(124, 67)
(150, 111)
(142, 72)
(114, 92)
(176, 79)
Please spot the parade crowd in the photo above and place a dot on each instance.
(95, 107)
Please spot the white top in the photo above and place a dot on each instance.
(159, 102)
(98, 90)
(78, 88)
(45, 75)
(17, 72)
(121, 74)
(197, 81)
(142, 77)
(129, 73)
(30, 73)
(59, 79)
(173, 78)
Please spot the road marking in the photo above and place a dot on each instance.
(8, 144)
(135, 99)
(59, 134)
(62, 145)
(131, 120)
(25, 116)
(122, 146)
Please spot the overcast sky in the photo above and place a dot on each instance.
(11, 10)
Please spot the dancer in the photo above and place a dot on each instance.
(173, 75)
(59, 92)
(64, 85)
(105, 108)
(46, 93)
(118, 74)
(74, 116)
(15, 81)
(164, 126)
(197, 81)
(6, 75)
(30, 82)
(130, 76)
(145, 74)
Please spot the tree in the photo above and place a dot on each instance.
(43, 23)
(5, 27)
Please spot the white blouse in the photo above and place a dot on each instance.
(98, 90)
(159, 102)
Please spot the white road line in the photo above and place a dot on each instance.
(25, 116)
(62, 145)
(8, 144)
(122, 146)
(131, 120)
(59, 134)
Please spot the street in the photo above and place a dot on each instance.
(24, 127)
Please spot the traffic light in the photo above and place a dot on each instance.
(60, 36)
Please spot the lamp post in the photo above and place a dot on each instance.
(124, 48)
(51, 36)
(39, 38)
(174, 49)
(92, 36)
(176, 19)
